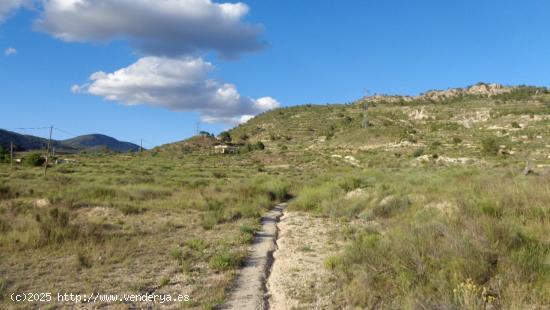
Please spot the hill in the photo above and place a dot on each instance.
(85, 142)
(27, 142)
(95, 141)
(516, 117)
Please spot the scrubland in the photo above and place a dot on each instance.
(435, 206)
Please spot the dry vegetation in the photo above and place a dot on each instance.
(130, 224)
(434, 205)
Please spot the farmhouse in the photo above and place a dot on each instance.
(226, 149)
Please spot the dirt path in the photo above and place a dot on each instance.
(249, 292)
(299, 278)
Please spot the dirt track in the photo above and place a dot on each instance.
(249, 292)
(285, 268)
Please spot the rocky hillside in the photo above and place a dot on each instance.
(481, 119)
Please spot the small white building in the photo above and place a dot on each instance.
(65, 161)
(225, 149)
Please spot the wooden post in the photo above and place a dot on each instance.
(48, 151)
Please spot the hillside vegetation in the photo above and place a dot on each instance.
(444, 203)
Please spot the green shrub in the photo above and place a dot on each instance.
(176, 253)
(164, 280)
(418, 152)
(5, 192)
(490, 146)
(34, 160)
(310, 198)
(515, 125)
(196, 244)
(331, 262)
(4, 155)
(225, 260)
(55, 228)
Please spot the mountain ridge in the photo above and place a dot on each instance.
(84, 142)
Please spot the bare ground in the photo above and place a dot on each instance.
(298, 278)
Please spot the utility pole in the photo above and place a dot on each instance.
(48, 151)
(11, 155)
(141, 145)
(366, 117)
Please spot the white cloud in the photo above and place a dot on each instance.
(8, 6)
(177, 85)
(159, 27)
(10, 51)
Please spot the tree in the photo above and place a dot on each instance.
(225, 136)
(4, 155)
(206, 134)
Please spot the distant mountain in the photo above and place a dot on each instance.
(94, 141)
(26, 142)
(99, 141)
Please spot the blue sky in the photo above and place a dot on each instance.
(317, 52)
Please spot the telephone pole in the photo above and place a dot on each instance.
(48, 151)
(366, 117)
(141, 145)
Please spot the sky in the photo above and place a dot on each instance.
(158, 70)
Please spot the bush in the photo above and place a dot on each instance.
(311, 198)
(418, 152)
(225, 260)
(196, 244)
(250, 147)
(4, 155)
(515, 125)
(34, 160)
(5, 192)
(55, 228)
(489, 146)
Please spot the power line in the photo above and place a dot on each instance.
(66, 132)
(28, 128)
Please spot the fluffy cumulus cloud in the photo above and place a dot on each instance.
(158, 28)
(170, 34)
(179, 85)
